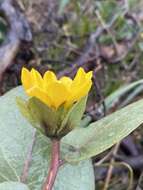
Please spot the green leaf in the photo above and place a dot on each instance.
(13, 186)
(101, 135)
(16, 137)
(115, 96)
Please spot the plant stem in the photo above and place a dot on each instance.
(54, 166)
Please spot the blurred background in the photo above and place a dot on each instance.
(105, 36)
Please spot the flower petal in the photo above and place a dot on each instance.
(66, 81)
(80, 87)
(58, 93)
(89, 75)
(79, 93)
(26, 78)
(80, 76)
(55, 92)
(37, 78)
(40, 94)
(49, 76)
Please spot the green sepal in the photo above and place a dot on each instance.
(49, 119)
(52, 123)
(74, 115)
(23, 106)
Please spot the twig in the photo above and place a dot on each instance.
(104, 159)
(108, 31)
(131, 175)
(25, 171)
(109, 174)
(54, 166)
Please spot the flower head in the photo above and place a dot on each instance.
(56, 92)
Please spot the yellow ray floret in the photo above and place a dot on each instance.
(54, 92)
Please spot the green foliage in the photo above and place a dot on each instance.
(13, 186)
(124, 29)
(105, 39)
(101, 135)
(119, 93)
(16, 136)
(108, 9)
(82, 143)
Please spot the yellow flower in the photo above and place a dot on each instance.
(54, 92)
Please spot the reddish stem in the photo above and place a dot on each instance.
(54, 166)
